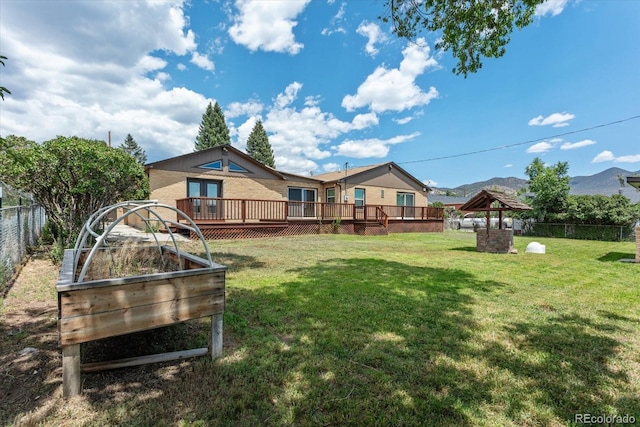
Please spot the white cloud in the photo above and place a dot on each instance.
(89, 68)
(540, 147)
(429, 183)
(404, 120)
(556, 120)
(551, 7)
(336, 22)
(249, 108)
(605, 156)
(363, 121)
(373, 147)
(608, 156)
(395, 89)
(267, 25)
(330, 167)
(508, 165)
(579, 144)
(374, 35)
(635, 158)
(202, 61)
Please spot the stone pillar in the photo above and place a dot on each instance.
(498, 241)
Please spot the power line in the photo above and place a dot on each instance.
(502, 147)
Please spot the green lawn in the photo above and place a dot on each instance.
(406, 329)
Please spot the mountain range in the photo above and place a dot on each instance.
(605, 183)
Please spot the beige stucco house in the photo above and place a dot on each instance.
(222, 185)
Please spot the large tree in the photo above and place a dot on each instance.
(71, 178)
(471, 30)
(550, 188)
(131, 147)
(258, 145)
(213, 130)
(601, 210)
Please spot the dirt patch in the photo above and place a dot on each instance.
(31, 359)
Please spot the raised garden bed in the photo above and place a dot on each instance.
(115, 289)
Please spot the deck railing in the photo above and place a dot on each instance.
(212, 209)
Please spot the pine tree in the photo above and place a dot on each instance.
(213, 130)
(258, 146)
(131, 147)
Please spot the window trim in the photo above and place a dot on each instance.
(236, 168)
(356, 199)
(209, 167)
(327, 197)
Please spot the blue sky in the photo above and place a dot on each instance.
(330, 82)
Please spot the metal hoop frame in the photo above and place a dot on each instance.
(131, 207)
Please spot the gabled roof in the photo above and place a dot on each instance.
(330, 177)
(226, 147)
(484, 199)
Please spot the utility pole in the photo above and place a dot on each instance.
(346, 169)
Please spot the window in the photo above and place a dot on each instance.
(408, 201)
(405, 199)
(233, 167)
(359, 197)
(331, 195)
(302, 202)
(203, 192)
(217, 165)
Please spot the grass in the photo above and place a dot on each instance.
(406, 329)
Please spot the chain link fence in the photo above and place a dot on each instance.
(610, 233)
(20, 229)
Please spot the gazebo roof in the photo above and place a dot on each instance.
(634, 181)
(483, 202)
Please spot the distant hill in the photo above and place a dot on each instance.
(605, 183)
(507, 185)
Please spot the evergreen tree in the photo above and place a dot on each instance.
(131, 147)
(213, 130)
(258, 146)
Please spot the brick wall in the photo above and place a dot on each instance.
(494, 240)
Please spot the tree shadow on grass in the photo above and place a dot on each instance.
(565, 364)
(372, 342)
(234, 262)
(616, 256)
(465, 249)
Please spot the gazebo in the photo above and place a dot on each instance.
(634, 181)
(493, 240)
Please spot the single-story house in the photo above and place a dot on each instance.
(229, 194)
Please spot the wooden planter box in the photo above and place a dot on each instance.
(96, 309)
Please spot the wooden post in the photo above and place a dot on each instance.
(71, 381)
(216, 336)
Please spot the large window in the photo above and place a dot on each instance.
(408, 201)
(358, 197)
(199, 188)
(302, 202)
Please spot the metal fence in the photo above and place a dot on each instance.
(611, 233)
(20, 229)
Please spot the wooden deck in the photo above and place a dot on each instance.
(220, 218)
